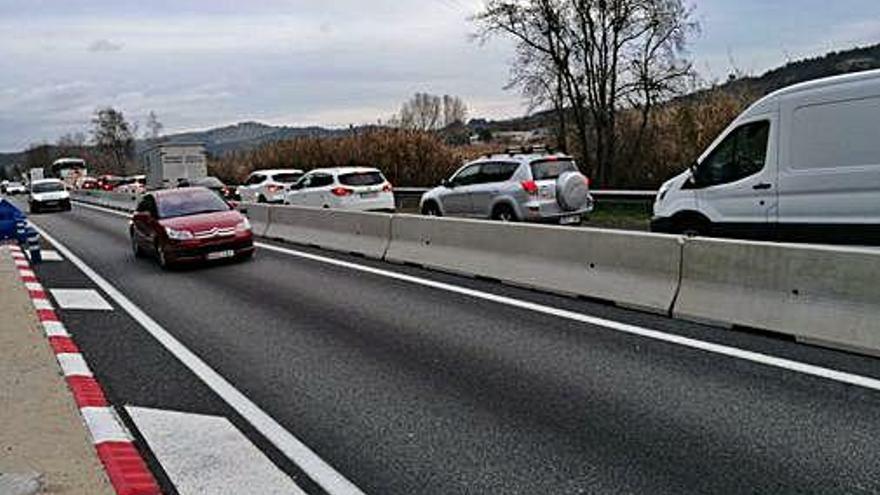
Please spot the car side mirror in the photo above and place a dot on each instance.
(448, 183)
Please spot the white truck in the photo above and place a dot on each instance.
(167, 164)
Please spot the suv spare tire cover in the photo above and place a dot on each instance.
(572, 191)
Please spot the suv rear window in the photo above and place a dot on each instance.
(361, 179)
(286, 178)
(552, 169)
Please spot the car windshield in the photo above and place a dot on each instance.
(185, 203)
(361, 179)
(551, 169)
(209, 182)
(287, 178)
(47, 187)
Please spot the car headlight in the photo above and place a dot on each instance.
(243, 226)
(178, 235)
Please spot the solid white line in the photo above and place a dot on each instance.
(316, 468)
(724, 350)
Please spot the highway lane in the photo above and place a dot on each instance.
(407, 389)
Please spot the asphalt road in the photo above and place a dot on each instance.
(407, 389)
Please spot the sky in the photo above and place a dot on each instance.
(205, 63)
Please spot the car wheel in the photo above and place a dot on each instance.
(135, 247)
(261, 199)
(247, 257)
(431, 210)
(504, 213)
(692, 227)
(161, 257)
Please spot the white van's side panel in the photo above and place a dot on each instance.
(830, 155)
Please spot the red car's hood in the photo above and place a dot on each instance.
(204, 221)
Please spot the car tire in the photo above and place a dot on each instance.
(161, 258)
(32, 208)
(261, 199)
(692, 227)
(504, 213)
(136, 249)
(431, 209)
(247, 257)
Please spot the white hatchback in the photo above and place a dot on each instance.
(268, 186)
(348, 188)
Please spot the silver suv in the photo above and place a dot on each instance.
(533, 187)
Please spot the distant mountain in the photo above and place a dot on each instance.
(248, 135)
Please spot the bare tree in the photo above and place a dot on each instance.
(114, 137)
(596, 55)
(154, 128)
(426, 112)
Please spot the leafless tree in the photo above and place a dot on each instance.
(113, 137)
(426, 112)
(599, 56)
(154, 128)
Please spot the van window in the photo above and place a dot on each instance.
(839, 134)
(742, 153)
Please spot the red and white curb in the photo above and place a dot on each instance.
(125, 467)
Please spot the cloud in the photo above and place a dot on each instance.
(104, 45)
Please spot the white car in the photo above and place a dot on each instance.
(268, 186)
(348, 188)
(48, 194)
(14, 188)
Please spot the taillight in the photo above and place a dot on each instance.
(587, 181)
(530, 187)
(273, 188)
(387, 187)
(341, 191)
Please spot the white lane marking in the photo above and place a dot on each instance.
(724, 350)
(50, 255)
(207, 455)
(87, 299)
(104, 425)
(73, 364)
(316, 468)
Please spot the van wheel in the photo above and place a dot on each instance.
(431, 210)
(504, 213)
(692, 227)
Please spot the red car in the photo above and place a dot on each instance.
(187, 225)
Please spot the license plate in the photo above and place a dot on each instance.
(569, 220)
(369, 195)
(219, 255)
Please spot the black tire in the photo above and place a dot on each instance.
(246, 257)
(431, 209)
(261, 199)
(161, 258)
(136, 249)
(693, 227)
(504, 213)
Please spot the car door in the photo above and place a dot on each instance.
(736, 183)
(144, 222)
(318, 190)
(298, 192)
(456, 198)
(492, 177)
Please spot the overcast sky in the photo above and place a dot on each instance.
(203, 63)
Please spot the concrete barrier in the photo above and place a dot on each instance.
(108, 199)
(347, 231)
(634, 269)
(827, 295)
(258, 215)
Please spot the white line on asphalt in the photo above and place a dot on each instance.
(207, 455)
(316, 468)
(724, 350)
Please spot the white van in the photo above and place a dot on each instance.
(802, 163)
